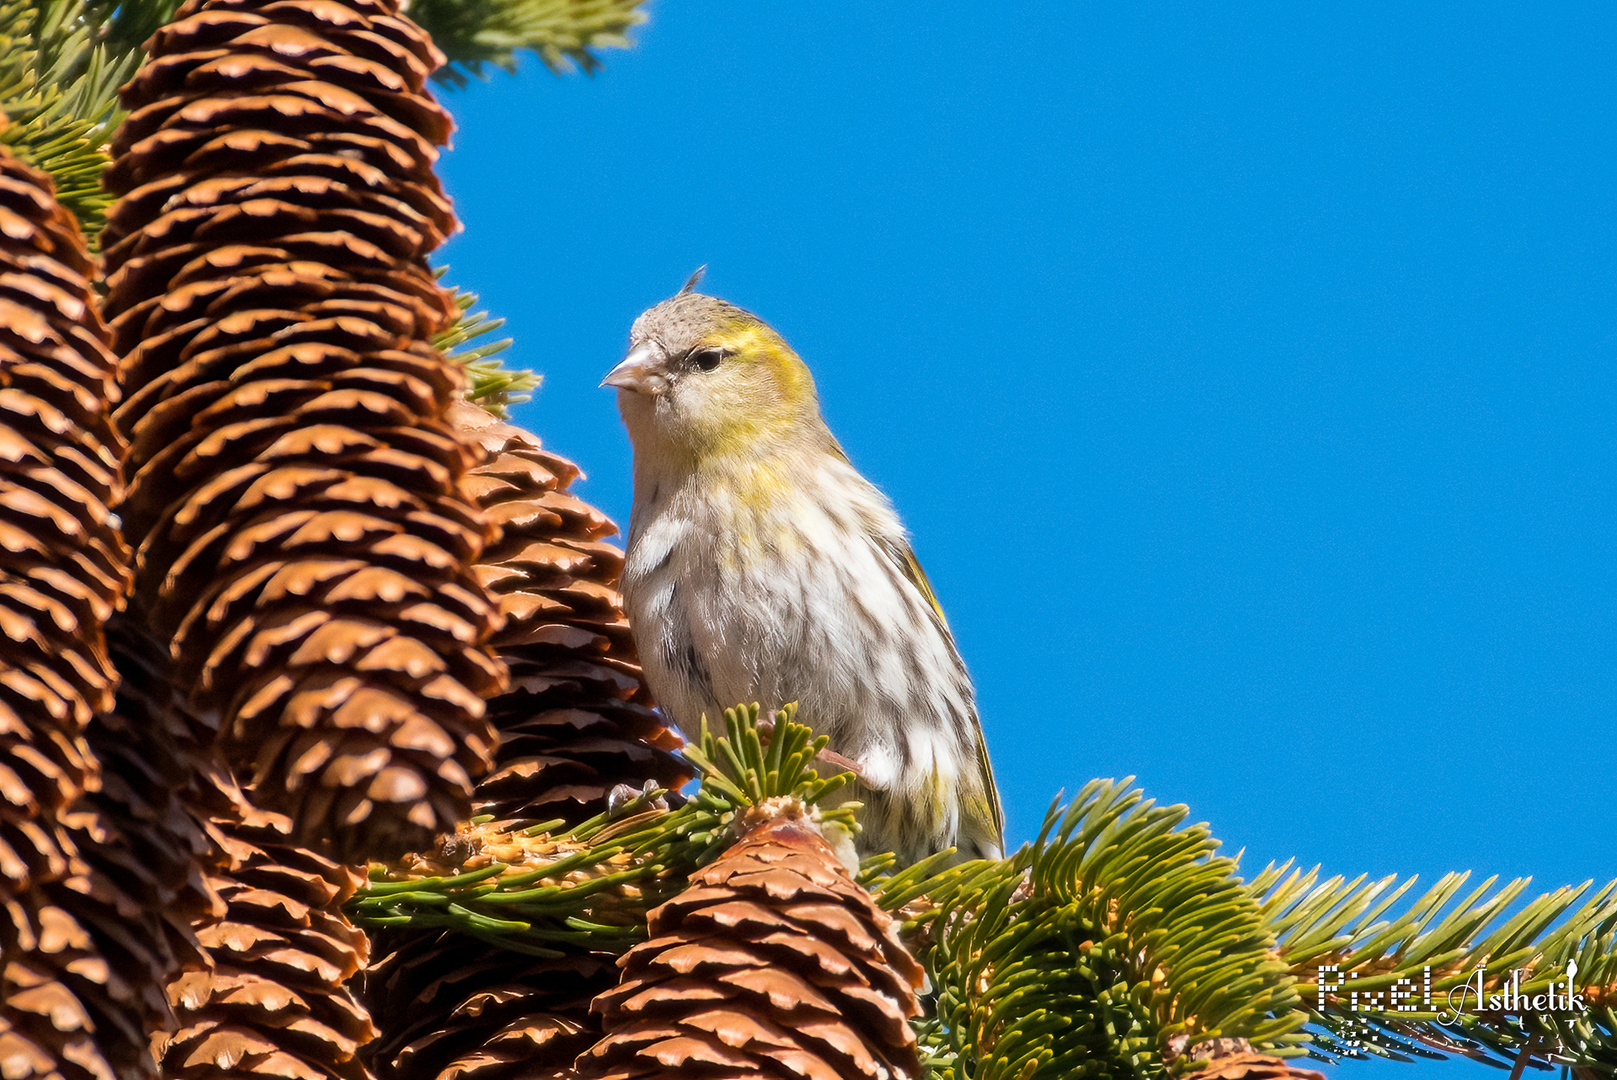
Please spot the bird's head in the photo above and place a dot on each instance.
(705, 380)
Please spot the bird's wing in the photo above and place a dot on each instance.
(903, 556)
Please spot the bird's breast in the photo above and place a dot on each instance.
(732, 581)
(791, 599)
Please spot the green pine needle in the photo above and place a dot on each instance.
(1116, 934)
(61, 64)
(1346, 923)
(593, 884)
(562, 33)
(489, 382)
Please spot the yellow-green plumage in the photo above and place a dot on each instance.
(763, 567)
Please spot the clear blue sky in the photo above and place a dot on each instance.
(1246, 379)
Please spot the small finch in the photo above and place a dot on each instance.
(763, 567)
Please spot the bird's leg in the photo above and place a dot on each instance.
(625, 797)
(766, 731)
(841, 764)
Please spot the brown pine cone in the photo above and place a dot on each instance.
(296, 497)
(773, 963)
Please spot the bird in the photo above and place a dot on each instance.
(761, 566)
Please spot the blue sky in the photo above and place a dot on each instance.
(1245, 377)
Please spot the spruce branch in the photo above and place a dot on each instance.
(546, 888)
(1114, 941)
(61, 63)
(562, 33)
(1391, 981)
(489, 382)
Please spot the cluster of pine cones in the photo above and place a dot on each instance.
(276, 601)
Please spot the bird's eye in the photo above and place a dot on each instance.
(707, 359)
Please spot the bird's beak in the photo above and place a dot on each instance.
(639, 372)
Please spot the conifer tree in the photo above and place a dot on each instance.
(324, 750)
